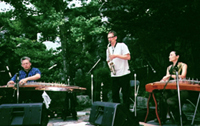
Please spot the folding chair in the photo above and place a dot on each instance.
(195, 106)
(135, 84)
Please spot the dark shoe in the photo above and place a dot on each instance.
(156, 120)
(162, 120)
(184, 119)
(74, 114)
(75, 117)
(184, 123)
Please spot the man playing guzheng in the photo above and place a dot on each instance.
(28, 74)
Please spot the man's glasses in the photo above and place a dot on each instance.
(111, 37)
(25, 63)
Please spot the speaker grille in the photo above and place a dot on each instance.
(22, 114)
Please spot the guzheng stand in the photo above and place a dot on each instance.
(183, 85)
(156, 107)
(195, 111)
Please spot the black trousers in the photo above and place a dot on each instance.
(170, 102)
(124, 83)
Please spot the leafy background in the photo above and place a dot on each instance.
(151, 29)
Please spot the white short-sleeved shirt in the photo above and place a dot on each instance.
(121, 65)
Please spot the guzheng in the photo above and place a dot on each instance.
(183, 84)
(46, 87)
(190, 85)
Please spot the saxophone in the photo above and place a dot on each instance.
(110, 63)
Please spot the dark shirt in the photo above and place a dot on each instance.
(23, 74)
(172, 69)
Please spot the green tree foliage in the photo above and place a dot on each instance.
(19, 39)
(81, 41)
(157, 27)
(151, 29)
(80, 30)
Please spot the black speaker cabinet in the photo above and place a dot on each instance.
(26, 114)
(111, 114)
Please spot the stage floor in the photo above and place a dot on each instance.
(83, 120)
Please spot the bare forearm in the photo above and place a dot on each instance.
(35, 77)
(179, 76)
(165, 78)
(125, 57)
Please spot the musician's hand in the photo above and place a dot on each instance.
(23, 81)
(11, 82)
(165, 78)
(112, 57)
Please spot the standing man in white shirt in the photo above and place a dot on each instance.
(119, 54)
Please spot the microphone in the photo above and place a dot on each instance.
(151, 67)
(16, 85)
(175, 68)
(17, 79)
(153, 70)
(17, 75)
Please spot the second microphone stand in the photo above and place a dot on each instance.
(92, 79)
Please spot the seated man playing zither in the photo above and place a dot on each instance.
(26, 75)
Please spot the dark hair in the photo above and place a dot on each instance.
(25, 58)
(177, 53)
(175, 67)
(114, 33)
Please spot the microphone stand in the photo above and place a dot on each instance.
(179, 101)
(135, 103)
(92, 78)
(147, 70)
(17, 83)
(151, 67)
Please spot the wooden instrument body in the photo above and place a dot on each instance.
(63, 97)
(41, 86)
(183, 84)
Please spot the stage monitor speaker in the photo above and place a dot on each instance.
(26, 114)
(111, 114)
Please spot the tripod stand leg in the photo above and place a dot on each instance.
(195, 109)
